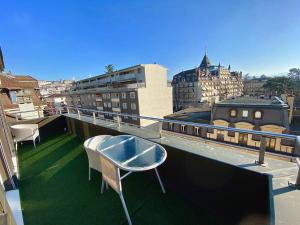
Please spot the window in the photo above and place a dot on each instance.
(89, 96)
(104, 96)
(108, 95)
(124, 105)
(115, 104)
(133, 106)
(13, 97)
(124, 95)
(109, 104)
(105, 104)
(170, 126)
(182, 128)
(257, 114)
(134, 118)
(233, 113)
(196, 129)
(245, 114)
(132, 95)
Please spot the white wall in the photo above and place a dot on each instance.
(156, 99)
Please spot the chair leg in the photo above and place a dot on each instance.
(89, 173)
(39, 138)
(34, 143)
(102, 186)
(16, 146)
(125, 208)
(161, 184)
(106, 185)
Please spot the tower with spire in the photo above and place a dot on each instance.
(205, 63)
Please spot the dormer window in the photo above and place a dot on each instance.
(233, 113)
(257, 114)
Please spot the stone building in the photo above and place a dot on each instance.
(243, 113)
(139, 90)
(206, 83)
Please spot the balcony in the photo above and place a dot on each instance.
(206, 182)
(55, 190)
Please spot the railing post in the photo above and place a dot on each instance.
(297, 147)
(78, 112)
(297, 183)
(118, 120)
(94, 117)
(68, 110)
(262, 151)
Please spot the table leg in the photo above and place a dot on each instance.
(161, 184)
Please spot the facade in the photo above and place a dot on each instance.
(17, 90)
(206, 83)
(254, 87)
(48, 88)
(269, 115)
(18, 93)
(139, 90)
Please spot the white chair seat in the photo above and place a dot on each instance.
(25, 132)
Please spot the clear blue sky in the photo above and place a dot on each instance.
(65, 39)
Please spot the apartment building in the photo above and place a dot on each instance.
(18, 93)
(206, 83)
(140, 90)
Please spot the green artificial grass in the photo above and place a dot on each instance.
(55, 190)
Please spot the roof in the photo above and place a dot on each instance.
(253, 101)
(18, 82)
(121, 70)
(1, 61)
(205, 62)
(193, 114)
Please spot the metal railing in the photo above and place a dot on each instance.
(263, 134)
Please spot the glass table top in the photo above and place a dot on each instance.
(132, 153)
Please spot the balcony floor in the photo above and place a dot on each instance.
(54, 189)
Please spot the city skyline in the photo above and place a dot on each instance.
(79, 39)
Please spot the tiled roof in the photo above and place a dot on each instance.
(18, 82)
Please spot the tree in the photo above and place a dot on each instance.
(247, 76)
(294, 73)
(109, 68)
(280, 85)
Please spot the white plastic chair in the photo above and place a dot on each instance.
(25, 132)
(93, 155)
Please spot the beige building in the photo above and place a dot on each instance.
(140, 90)
(206, 83)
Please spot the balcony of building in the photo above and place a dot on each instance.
(206, 182)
